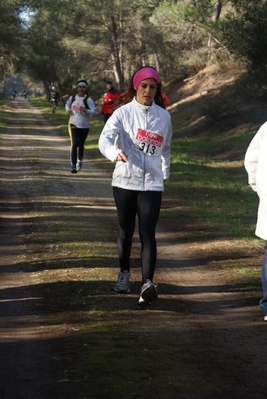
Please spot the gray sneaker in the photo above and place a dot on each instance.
(79, 165)
(122, 284)
(149, 293)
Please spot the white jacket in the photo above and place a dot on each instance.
(144, 134)
(256, 166)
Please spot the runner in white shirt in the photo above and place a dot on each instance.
(79, 106)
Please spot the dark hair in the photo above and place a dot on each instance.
(130, 93)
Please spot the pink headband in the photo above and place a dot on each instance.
(145, 73)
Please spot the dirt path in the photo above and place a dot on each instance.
(64, 333)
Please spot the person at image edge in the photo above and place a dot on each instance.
(256, 167)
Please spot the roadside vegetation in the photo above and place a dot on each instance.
(4, 114)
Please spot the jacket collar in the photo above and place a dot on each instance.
(141, 107)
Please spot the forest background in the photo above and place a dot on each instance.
(56, 43)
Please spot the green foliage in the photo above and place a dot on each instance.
(4, 114)
(245, 31)
(64, 41)
(95, 43)
(11, 35)
(253, 84)
(192, 35)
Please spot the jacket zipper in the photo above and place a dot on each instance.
(144, 157)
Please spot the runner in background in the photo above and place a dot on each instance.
(110, 96)
(54, 96)
(79, 107)
(165, 99)
(25, 94)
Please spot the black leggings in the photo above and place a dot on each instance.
(78, 137)
(145, 204)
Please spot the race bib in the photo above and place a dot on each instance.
(76, 108)
(149, 142)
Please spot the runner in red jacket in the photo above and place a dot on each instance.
(109, 98)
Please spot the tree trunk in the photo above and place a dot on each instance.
(216, 11)
(115, 56)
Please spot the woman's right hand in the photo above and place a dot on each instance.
(122, 157)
